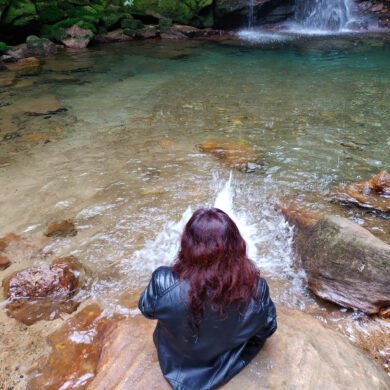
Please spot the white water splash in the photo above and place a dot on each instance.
(268, 237)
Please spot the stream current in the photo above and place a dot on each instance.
(123, 160)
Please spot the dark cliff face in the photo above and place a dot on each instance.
(235, 13)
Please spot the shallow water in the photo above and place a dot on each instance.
(123, 161)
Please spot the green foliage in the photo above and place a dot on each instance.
(3, 47)
(20, 13)
(182, 11)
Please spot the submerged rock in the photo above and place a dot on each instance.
(65, 228)
(25, 65)
(5, 262)
(21, 249)
(42, 105)
(43, 292)
(236, 154)
(7, 240)
(344, 262)
(7, 78)
(302, 354)
(372, 194)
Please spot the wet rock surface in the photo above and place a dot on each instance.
(76, 347)
(43, 292)
(312, 356)
(65, 228)
(344, 262)
(236, 154)
(371, 194)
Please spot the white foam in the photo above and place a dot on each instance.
(268, 237)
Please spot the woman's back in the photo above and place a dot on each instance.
(220, 346)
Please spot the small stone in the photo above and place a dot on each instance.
(64, 228)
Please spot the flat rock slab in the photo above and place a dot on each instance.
(302, 354)
(42, 105)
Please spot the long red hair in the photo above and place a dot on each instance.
(213, 259)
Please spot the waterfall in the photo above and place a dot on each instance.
(325, 15)
(251, 15)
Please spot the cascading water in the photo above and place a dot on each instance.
(323, 15)
(312, 17)
(251, 15)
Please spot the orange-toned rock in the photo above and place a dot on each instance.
(43, 292)
(5, 262)
(372, 194)
(235, 153)
(28, 64)
(65, 228)
(76, 347)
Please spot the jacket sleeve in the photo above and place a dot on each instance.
(148, 299)
(269, 326)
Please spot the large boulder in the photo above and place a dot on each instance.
(302, 354)
(43, 292)
(344, 262)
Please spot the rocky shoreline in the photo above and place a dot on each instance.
(77, 25)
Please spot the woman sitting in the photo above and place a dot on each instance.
(213, 309)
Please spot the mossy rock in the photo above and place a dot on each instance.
(54, 33)
(75, 22)
(195, 12)
(165, 24)
(131, 24)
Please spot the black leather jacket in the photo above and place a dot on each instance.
(222, 348)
